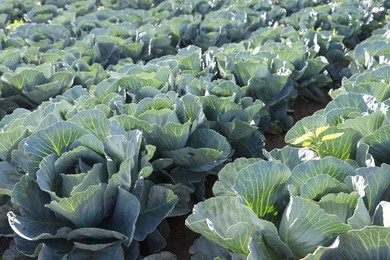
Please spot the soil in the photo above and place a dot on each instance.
(180, 239)
(304, 107)
(4, 244)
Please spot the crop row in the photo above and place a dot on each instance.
(317, 202)
(112, 119)
(81, 46)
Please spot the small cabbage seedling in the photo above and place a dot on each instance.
(313, 140)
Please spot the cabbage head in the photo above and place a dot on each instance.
(85, 192)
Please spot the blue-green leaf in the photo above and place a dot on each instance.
(53, 139)
(235, 230)
(113, 251)
(320, 185)
(366, 124)
(94, 121)
(171, 136)
(262, 186)
(382, 214)
(48, 179)
(377, 180)
(342, 205)
(228, 174)
(364, 103)
(343, 146)
(9, 141)
(119, 148)
(202, 248)
(9, 176)
(305, 226)
(98, 174)
(361, 217)
(68, 161)
(331, 166)
(125, 214)
(155, 206)
(38, 221)
(379, 144)
(89, 141)
(291, 156)
(205, 149)
(367, 243)
(300, 128)
(83, 209)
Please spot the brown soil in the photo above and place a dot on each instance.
(274, 141)
(304, 107)
(180, 239)
(4, 244)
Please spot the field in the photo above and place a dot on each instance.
(194, 129)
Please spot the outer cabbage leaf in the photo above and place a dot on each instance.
(331, 166)
(316, 187)
(378, 143)
(228, 174)
(9, 177)
(39, 222)
(154, 207)
(377, 180)
(234, 230)
(204, 150)
(367, 243)
(125, 215)
(202, 248)
(310, 123)
(381, 215)
(342, 205)
(262, 186)
(82, 209)
(369, 54)
(10, 140)
(342, 147)
(291, 156)
(111, 251)
(52, 139)
(365, 125)
(361, 217)
(305, 226)
(364, 103)
(94, 121)
(374, 82)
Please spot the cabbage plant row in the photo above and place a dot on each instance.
(359, 110)
(326, 200)
(319, 209)
(113, 113)
(81, 46)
